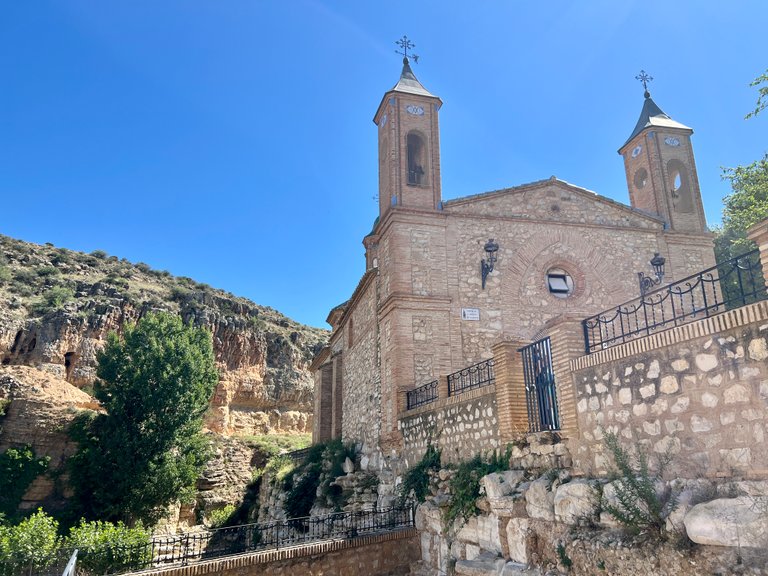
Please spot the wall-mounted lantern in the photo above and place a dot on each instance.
(648, 282)
(487, 263)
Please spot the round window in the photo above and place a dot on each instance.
(559, 282)
(641, 177)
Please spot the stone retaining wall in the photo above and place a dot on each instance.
(699, 391)
(461, 426)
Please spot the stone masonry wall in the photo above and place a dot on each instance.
(461, 426)
(699, 391)
(361, 387)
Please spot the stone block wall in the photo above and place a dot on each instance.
(461, 426)
(699, 391)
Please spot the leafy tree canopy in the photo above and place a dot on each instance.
(147, 450)
(745, 206)
(762, 99)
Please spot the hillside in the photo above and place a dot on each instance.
(57, 307)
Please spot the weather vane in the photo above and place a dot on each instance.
(406, 45)
(644, 77)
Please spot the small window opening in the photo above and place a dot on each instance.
(559, 282)
(641, 177)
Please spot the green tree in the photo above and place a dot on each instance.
(147, 450)
(30, 545)
(18, 468)
(105, 548)
(762, 98)
(745, 206)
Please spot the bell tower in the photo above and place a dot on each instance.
(661, 170)
(409, 142)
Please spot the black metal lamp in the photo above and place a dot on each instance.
(648, 282)
(487, 263)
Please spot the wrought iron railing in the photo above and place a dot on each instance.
(475, 376)
(195, 546)
(540, 388)
(421, 395)
(727, 285)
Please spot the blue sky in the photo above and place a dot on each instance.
(232, 141)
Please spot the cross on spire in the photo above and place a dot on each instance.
(406, 45)
(644, 77)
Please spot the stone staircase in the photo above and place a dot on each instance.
(489, 564)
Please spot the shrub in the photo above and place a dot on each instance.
(220, 517)
(30, 545)
(100, 254)
(322, 465)
(465, 484)
(47, 271)
(5, 274)
(415, 482)
(53, 299)
(25, 276)
(18, 468)
(640, 508)
(104, 548)
(274, 444)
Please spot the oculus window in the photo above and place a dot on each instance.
(559, 282)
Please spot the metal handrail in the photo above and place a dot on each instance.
(422, 395)
(475, 376)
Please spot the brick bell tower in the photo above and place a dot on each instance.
(661, 170)
(409, 142)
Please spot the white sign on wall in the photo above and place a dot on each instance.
(470, 314)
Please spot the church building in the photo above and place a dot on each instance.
(445, 280)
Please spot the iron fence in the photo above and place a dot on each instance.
(475, 376)
(191, 547)
(421, 395)
(727, 285)
(540, 387)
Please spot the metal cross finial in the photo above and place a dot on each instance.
(406, 45)
(644, 77)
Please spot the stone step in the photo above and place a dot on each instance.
(484, 565)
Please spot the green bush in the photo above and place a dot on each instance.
(640, 507)
(415, 484)
(104, 548)
(5, 274)
(18, 468)
(465, 484)
(47, 271)
(53, 299)
(220, 517)
(274, 444)
(25, 276)
(100, 254)
(321, 466)
(30, 545)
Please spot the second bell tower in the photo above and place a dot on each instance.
(409, 145)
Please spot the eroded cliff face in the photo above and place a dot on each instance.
(57, 307)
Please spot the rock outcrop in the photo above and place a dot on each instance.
(57, 307)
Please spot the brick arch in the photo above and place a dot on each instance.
(563, 248)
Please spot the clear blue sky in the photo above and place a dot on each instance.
(232, 141)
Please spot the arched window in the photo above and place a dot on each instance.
(417, 159)
(679, 185)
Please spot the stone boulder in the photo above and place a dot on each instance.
(540, 500)
(500, 484)
(575, 501)
(741, 522)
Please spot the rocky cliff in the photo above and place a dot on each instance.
(57, 307)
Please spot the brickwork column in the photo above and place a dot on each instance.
(324, 413)
(759, 235)
(567, 342)
(510, 390)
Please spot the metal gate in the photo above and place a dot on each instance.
(540, 389)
